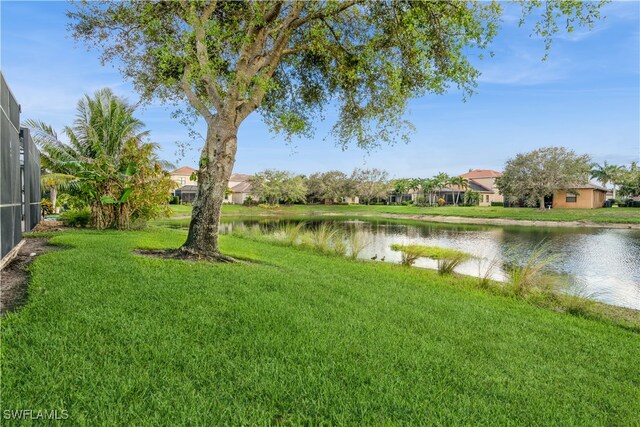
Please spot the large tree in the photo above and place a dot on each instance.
(288, 59)
(370, 183)
(273, 186)
(533, 176)
(329, 186)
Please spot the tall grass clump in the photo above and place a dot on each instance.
(323, 236)
(290, 232)
(339, 244)
(357, 242)
(448, 259)
(249, 232)
(530, 276)
(449, 262)
(484, 278)
(577, 299)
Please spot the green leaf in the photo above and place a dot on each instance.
(108, 200)
(132, 168)
(125, 196)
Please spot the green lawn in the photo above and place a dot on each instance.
(298, 338)
(604, 215)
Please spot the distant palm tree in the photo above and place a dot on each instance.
(606, 174)
(461, 183)
(441, 180)
(428, 186)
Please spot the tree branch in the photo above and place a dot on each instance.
(202, 53)
(192, 97)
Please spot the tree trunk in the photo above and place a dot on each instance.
(53, 194)
(216, 164)
(541, 201)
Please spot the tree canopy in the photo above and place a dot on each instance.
(534, 175)
(290, 59)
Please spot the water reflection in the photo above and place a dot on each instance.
(603, 264)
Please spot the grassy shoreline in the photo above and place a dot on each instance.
(296, 337)
(493, 215)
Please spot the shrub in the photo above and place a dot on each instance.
(68, 202)
(46, 206)
(175, 200)
(441, 202)
(471, 198)
(76, 218)
(500, 204)
(250, 202)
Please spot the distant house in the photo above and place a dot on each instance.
(587, 196)
(239, 186)
(484, 182)
(182, 176)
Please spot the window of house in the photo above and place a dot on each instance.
(183, 180)
(571, 198)
(487, 197)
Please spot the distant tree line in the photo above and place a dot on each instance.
(363, 186)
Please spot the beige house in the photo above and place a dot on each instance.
(484, 182)
(182, 176)
(239, 186)
(586, 196)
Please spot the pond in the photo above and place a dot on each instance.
(598, 263)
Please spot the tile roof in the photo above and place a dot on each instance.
(243, 187)
(479, 187)
(481, 173)
(590, 185)
(184, 170)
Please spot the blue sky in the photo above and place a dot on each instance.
(586, 97)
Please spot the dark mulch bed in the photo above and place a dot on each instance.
(14, 278)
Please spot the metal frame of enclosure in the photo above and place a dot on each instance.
(19, 174)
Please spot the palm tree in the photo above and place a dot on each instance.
(440, 181)
(103, 131)
(461, 183)
(53, 156)
(428, 186)
(606, 174)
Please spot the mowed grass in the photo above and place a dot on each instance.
(294, 337)
(603, 215)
